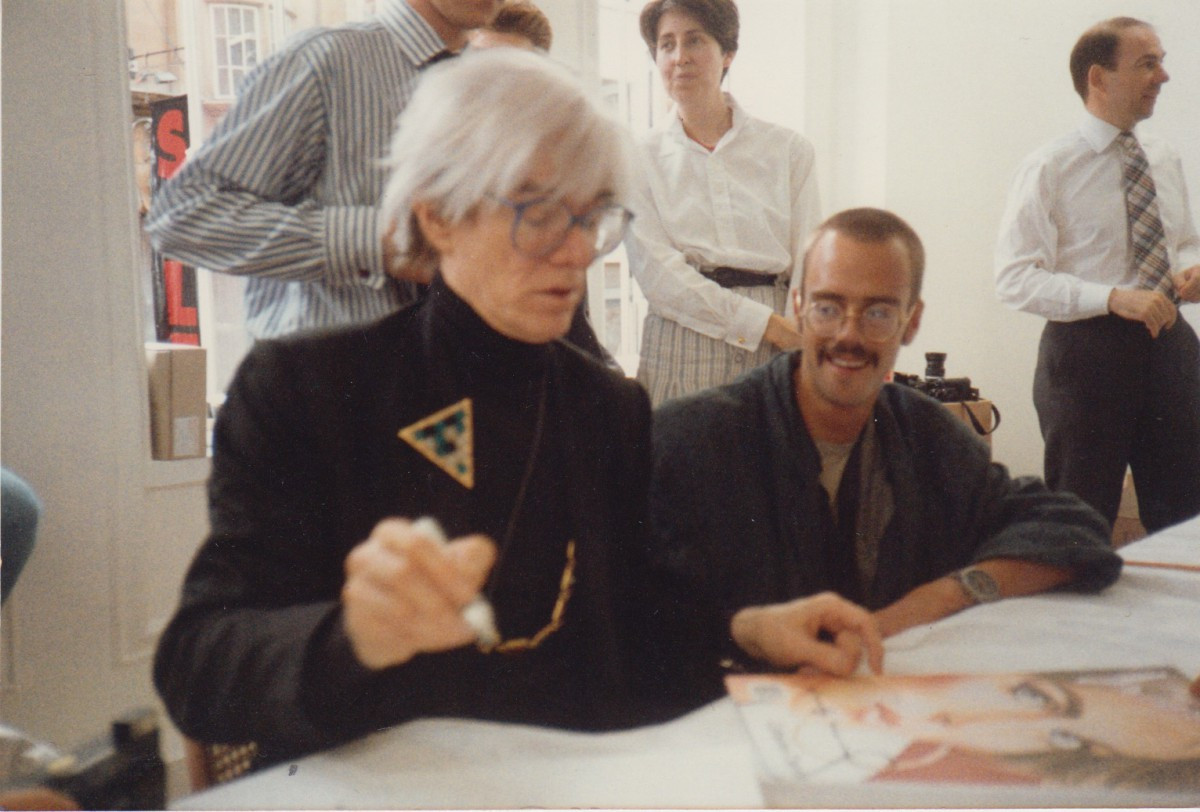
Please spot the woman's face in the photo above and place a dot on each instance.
(689, 60)
(530, 299)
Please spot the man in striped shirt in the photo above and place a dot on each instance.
(284, 192)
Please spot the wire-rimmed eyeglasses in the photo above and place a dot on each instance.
(540, 226)
(877, 322)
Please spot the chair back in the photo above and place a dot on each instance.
(210, 764)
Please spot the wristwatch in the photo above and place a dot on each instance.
(977, 585)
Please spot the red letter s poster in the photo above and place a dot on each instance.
(175, 303)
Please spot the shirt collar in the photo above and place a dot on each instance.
(1097, 132)
(739, 115)
(416, 36)
(674, 124)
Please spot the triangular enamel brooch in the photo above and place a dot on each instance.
(446, 438)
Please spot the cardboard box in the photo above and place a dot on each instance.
(178, 406)
(981, 409)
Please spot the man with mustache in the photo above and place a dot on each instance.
(1098, 238)
(813, 473)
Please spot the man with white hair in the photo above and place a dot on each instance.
(325, 603)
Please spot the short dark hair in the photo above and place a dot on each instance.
(718, 18)
(874, 226)
(526, 20)
(1098, 46)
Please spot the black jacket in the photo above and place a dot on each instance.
(307, 460)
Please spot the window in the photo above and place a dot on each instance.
(628, 86)
(193, 55)
(236, 40)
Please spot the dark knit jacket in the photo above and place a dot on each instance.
(737, 504)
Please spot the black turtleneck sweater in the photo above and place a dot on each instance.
(308, 458)
(518, 498)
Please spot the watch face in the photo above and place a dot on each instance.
(981, 586)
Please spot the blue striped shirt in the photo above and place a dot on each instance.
(285, 190)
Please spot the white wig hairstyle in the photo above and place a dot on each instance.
(475, 126)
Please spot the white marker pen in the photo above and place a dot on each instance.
(477, 614)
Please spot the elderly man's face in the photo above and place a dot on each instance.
(530, 299)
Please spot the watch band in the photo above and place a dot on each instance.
(977, 585)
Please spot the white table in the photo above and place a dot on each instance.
(1151, 616)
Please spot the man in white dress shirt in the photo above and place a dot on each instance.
(1118, 375)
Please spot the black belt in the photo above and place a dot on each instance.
(738, 278)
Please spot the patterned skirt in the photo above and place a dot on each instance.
(676, 360)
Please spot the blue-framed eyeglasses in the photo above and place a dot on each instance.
(540, 226)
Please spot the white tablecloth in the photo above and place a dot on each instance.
(1151, 616)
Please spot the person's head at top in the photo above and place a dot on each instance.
(453, 19)
(518, 24)
(1117, 69)
(507, 179)
(693, 43)
(859, 301)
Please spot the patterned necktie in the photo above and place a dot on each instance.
(1145, 226)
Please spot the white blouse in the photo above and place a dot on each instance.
(750, 204)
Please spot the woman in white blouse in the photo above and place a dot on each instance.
(722, 215)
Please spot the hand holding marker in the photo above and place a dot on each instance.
(478, 613)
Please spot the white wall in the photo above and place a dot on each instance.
(926, 107)
(117, 530)
(574, 25)
(973, 86)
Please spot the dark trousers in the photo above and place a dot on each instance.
(1110, 396)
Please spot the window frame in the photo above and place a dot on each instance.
(227, 75)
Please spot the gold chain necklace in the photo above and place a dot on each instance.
(567, 580)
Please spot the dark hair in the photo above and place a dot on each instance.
(1098, 46)
(718, 18)
(874, 226)
(526, 20)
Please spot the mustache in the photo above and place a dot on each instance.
(846, 350)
